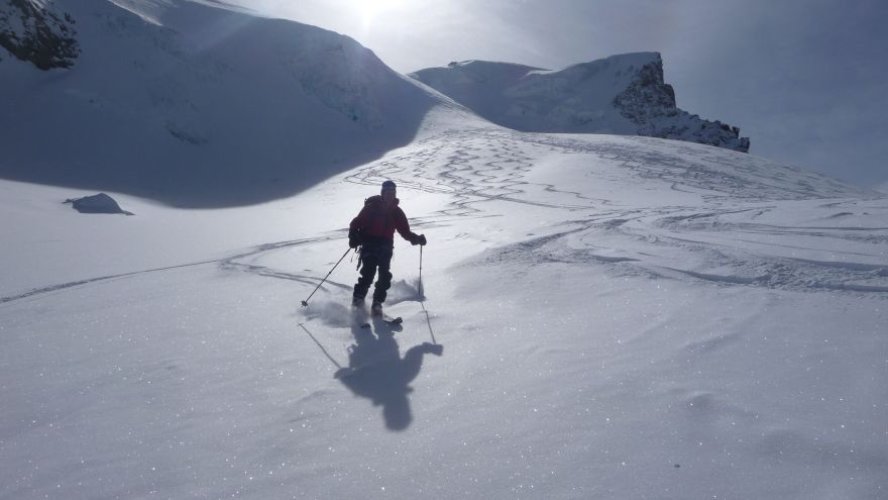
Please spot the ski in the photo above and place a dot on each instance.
(389, 321)
(393, 321)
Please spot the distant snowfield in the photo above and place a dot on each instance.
(620, 318)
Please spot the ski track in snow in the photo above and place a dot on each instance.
(477, 167)
(232, 263)
(456, 166)
(459, 165)
(89, 281)
(467, 174)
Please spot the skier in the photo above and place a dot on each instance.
(374, 231)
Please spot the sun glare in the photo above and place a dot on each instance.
(370, 10)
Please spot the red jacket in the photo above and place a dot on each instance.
(378, 222)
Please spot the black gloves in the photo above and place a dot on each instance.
(354, 239)
(419, 239)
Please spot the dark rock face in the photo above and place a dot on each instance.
(647, 96)
(649, 102)
(35, 34)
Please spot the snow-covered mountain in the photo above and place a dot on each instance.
(192, 103)
(622, 94)
(201, 104)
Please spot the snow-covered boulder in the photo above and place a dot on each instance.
(622, 94)
(97, 204)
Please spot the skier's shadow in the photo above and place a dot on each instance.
(377, 371)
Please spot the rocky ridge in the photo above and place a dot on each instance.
(622, 94)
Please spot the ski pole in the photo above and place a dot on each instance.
(305, 302)
(421, 295)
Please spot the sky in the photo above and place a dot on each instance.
(802, 78)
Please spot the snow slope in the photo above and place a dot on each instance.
(196, 105)
(619, 317)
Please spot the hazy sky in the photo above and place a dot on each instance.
(804, 79)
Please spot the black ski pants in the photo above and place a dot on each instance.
(375, 258)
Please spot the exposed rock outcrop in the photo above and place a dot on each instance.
(97, 204)
(32, 32)
(649, 102)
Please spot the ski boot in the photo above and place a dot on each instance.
(376, 309)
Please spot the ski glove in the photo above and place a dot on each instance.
(418, 239)
(354, 239)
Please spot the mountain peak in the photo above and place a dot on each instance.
(621, 94)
